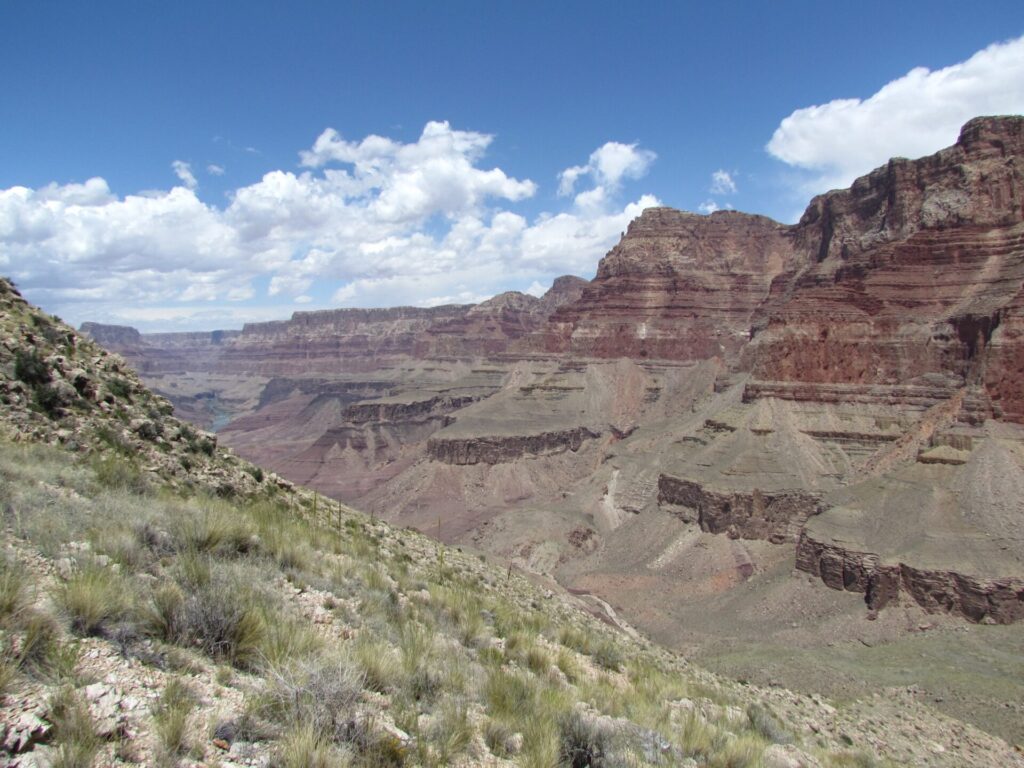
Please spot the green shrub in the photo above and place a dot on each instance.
(226, 625)
(31, 368)
(170, 718)
(498, 737)
(584, 743)
(303, 747)
(764, 723)
(509, 695)
(213, 530)
(743, 751)
(319, 693)
(451, 731)
(381, 670)
(94, 599)
(576, 639)
(40, 639)
(13, 591)
(74, 732)
(118, 473)
(608, 655)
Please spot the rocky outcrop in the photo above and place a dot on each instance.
(998, 601)
(111, 336)
(506, 448)
(678, 286)
(774, 516)
(362, 413)
(916, 271)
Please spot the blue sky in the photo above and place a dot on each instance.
(200, 164)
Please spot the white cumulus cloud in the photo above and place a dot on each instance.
(417, 223)
(608, 165)
(914, 115)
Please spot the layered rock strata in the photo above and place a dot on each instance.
(775, 516)
(508, 448)
(679, 286)
(998, 601)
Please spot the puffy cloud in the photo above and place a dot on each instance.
(722, 183)
(184, 172)
(914, 115)
(436, 174)
(215, 170)
(418, 223)
(708, 206)
(608, 165)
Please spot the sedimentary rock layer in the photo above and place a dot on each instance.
(999, 601)
(506, 448)
(678, 286)
(776, 516)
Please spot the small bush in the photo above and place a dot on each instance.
(213, 530)
(609, 656)
(303, 747)
(698, 736)
(451, 731)
(743, 751)
(576, 639)
(381, 670)
(120, 388)
(170, 718)
(13, 591)
(31, 368)
(286, 640)
(73, 731)
(39, 643)
(509, 695)
(538, 661)
(225, 624)
(119, 474)
(567, 663)
(94, 599)
(498, 737)
(767, 725)
(319, 693)
(584, 743)
(8, 670)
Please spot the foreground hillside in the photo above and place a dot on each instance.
(163, 602)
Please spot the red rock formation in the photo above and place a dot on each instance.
(917, 272)
(678, 286)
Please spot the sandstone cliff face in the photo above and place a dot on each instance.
(678, 286)
(917, 272)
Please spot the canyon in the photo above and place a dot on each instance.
(824, 418)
